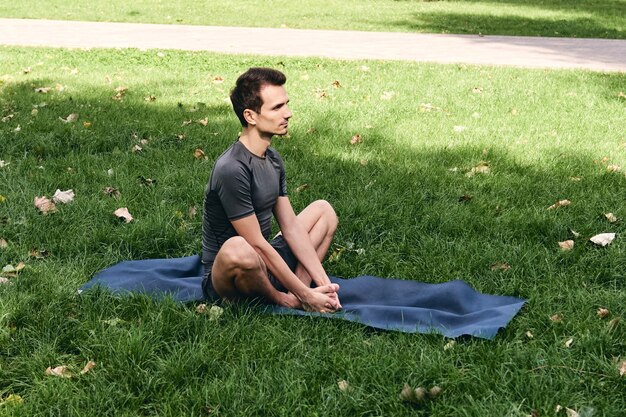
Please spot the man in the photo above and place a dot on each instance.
(246, 187)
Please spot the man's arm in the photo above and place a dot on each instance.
(248, 228)
(299, 241)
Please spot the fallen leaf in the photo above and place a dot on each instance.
(7, 118)
(218, 79)
(356, 139)
(481, 168)
(556, 318)
(603, 312)
(336, 84)
(4, 281)
(187, 122)
(465, 198)
(459, 129)
(477, 90)
(198, 154)
(302, 188)
(529, 335)
(215, 312)
(320, 93)
(59, 87)
(574, 233)
(420, 394)
(63, 197)
(427, 107)
(42, 90)
(110, 172)
(3, 244)
(500, 266)
(559, 204)
(575, 179)
(150, 98)
(114, 321)
(123, 214)
(613, 168)
(387, 95)
(18, 129)
(147, 182)
(70, 119)
(27, 70)
(336, 254)
(74, 71)
(435, 391)
(363, 162)
(193, 212)
(343, 385)
(3, 164)
(44, 205)
(566, 245)
(38, 254)
(111, 192)
(407, 394)
(203, 122)
(610, 217)
(12, 400)
(34, 112)
(571, 413)
(614, 323)
(86, 124)
(137, 149)
(568, 342)
(449, 345)
(143, 141)
(120, 92)
(558, 408)
(364, 68)
(622, 368)
(201, 308)
(60, 371)
(88, 367)
(603, 239)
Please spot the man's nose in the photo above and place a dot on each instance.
(288, 113)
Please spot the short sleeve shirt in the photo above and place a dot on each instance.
(240, 185)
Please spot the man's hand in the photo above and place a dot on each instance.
(322, 299)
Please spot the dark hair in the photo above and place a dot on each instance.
(246, 94)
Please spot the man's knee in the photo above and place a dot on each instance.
(328, 213)
(236, 253)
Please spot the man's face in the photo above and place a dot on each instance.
(273, 119)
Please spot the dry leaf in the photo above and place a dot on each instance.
(120, 92)
(459, 129)
(137, 149)
(387, 95)
(356, 139)
(574, 233)
(529, 335)
(111, 192)
(63, 197)
(610, 217)
(477, 90)
(147, 182)
(364, 68)
(44, 205)
(558, 408)
(500, 266)
(603, 312)
(321, 93)
(187, 122)
(302, 188)
(3, 164)
(622, 368)
(198, 153)
(70, 119)
(27, 70)
(435, 391)
(215, 312)
(201, 308)
(88, 367)
(449, 345)
(4, 280)
(42, 90)
(123, 214)
(481, 168)
(571, 413)
(556, 318)
(37, 254)
(575, 179)
(18, 129)
(218, 79)
(3, 244)
(59, 87)
(566, 245)
(613, 323)
(150, 98)
(8, 118)
(60, 371)
(86, 124)
(465, 198)
(336, 84)
(613, 168)
(12, 400)
(569, 342)
(203, 122)
(192, 213)
(420, 394)
(363, 162)
(559, 204)
(13, 270)
(343, 385)
(407, 393)
(603, 239)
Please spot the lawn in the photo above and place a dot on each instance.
(569, 18)
(454, 174)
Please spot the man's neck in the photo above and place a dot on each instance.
(254, 142)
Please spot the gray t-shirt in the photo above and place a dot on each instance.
(241, 184)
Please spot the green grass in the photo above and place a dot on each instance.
(571, 18)
(535, 128)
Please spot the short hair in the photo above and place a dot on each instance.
(247, 91)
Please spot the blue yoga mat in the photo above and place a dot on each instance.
(452, 308)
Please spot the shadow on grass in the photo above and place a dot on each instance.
(415, 213)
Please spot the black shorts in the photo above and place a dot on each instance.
(280, 245)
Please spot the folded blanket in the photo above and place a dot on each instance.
(452, 308)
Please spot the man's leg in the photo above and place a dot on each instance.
(320, 221)
(239, 272)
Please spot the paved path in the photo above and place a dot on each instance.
(591, 54)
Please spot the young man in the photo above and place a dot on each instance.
(246, 187)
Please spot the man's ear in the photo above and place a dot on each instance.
(250, 116)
